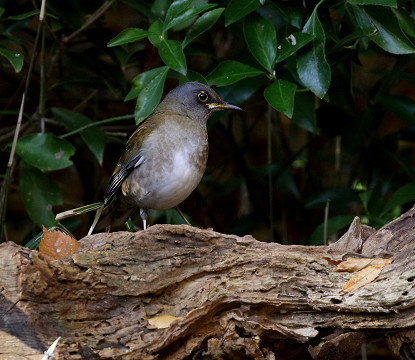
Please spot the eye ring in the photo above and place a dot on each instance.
(202, 96)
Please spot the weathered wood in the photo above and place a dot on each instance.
(234, 297)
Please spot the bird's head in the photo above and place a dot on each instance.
(198, 100)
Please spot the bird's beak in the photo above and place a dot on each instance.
(222, 106)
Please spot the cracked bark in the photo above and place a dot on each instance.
(234, 297)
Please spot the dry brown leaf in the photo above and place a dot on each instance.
(163, 321)
(365, 276)
(356, 264)
(55, 245)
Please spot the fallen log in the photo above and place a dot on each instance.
(179, 292)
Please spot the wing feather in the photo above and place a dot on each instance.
(122, 171)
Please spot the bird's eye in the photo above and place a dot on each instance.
(202, 96)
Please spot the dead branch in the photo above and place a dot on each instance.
(230, 297)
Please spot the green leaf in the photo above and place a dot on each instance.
(312, 66)
(155, 33)
(304, 114)
(337, 196)
(127, 36)
(181, 11)
(93, 137)
(406, 22)
(149, 87)
(193, 76)
(387, 32)
(39, 193)
(391, 3)
(401, 106)
(171, 52)
(175, 9)
(45, 151)
(402, 196)
(390, 36)
(15, 58)
(142, 80)
(158, 8)
(334, 224)
(23, 16)
(237, 9)
(291, 44)
(280, 95)
(202, 24)
(261, 38)
(229, 72)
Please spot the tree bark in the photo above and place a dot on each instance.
(230, 297)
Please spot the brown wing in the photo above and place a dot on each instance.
(130, 159)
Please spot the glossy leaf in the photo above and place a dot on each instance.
(24, 16)
(237, 9)
(402, 196)
(402, 107)
(261, 38)
(181, 11)
(334, 224)
(304, 114)
(336, 196)
(291, 44)
(204, 23)
(229, 72)
(312, 66)
(239, 92)
(193, 76)
(387, 32)
(39, 193)
(16, 59)
(171, 52)
(406, 22)
(158, 8)
(390, 36)
(45, 151)
(155, 33)
(391, 3)
(149, 89)
(142, 80)
(93, 137)
(127, 36)
(280, 95)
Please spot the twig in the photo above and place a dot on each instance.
(326, 219)
(269, 163)
(10, 164)
(96, 123)
(90, 20)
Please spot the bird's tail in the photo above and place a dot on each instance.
(115, 215)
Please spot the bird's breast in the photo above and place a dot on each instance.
(174, 160)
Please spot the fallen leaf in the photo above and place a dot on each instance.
(55, 245)
(356, 264)
(163, 321)
(365, 276)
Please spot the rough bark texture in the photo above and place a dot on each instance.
(234, 297)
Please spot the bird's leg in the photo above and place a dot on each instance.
(144, 215)
(181, 214)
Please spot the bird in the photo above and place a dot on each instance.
(165, 158)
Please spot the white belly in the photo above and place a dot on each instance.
(173, 185)
(165, 178)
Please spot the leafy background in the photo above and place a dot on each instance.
(327, 131)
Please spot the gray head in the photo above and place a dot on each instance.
(198, 100)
